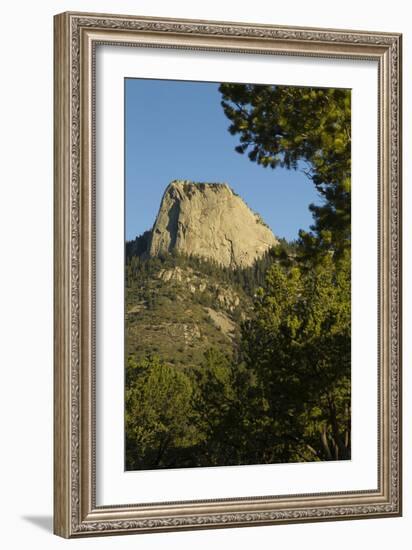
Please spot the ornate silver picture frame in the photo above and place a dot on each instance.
(77, 510)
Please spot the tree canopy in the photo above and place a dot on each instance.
(298, 344)
(158, 408)
(300, 128)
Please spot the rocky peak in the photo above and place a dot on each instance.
(211, 221)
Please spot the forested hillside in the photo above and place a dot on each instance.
(231, 363)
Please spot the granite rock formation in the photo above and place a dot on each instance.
(211, 221)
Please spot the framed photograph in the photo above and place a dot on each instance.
(227, 274)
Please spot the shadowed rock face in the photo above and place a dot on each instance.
(209, 220)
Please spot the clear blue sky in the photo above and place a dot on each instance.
(177, 130)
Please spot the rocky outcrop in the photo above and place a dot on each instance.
(211, 221)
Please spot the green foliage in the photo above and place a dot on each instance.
(139, 245)
(282, 396)
(158, 425)
(290, 126)
(221, 385)
(278, 390)
(141, 270)
(167, 301)
(298, 344)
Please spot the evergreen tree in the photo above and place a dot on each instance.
(297, 127)
(298, 344)
(158, 407)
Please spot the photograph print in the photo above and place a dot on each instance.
(237, 274)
